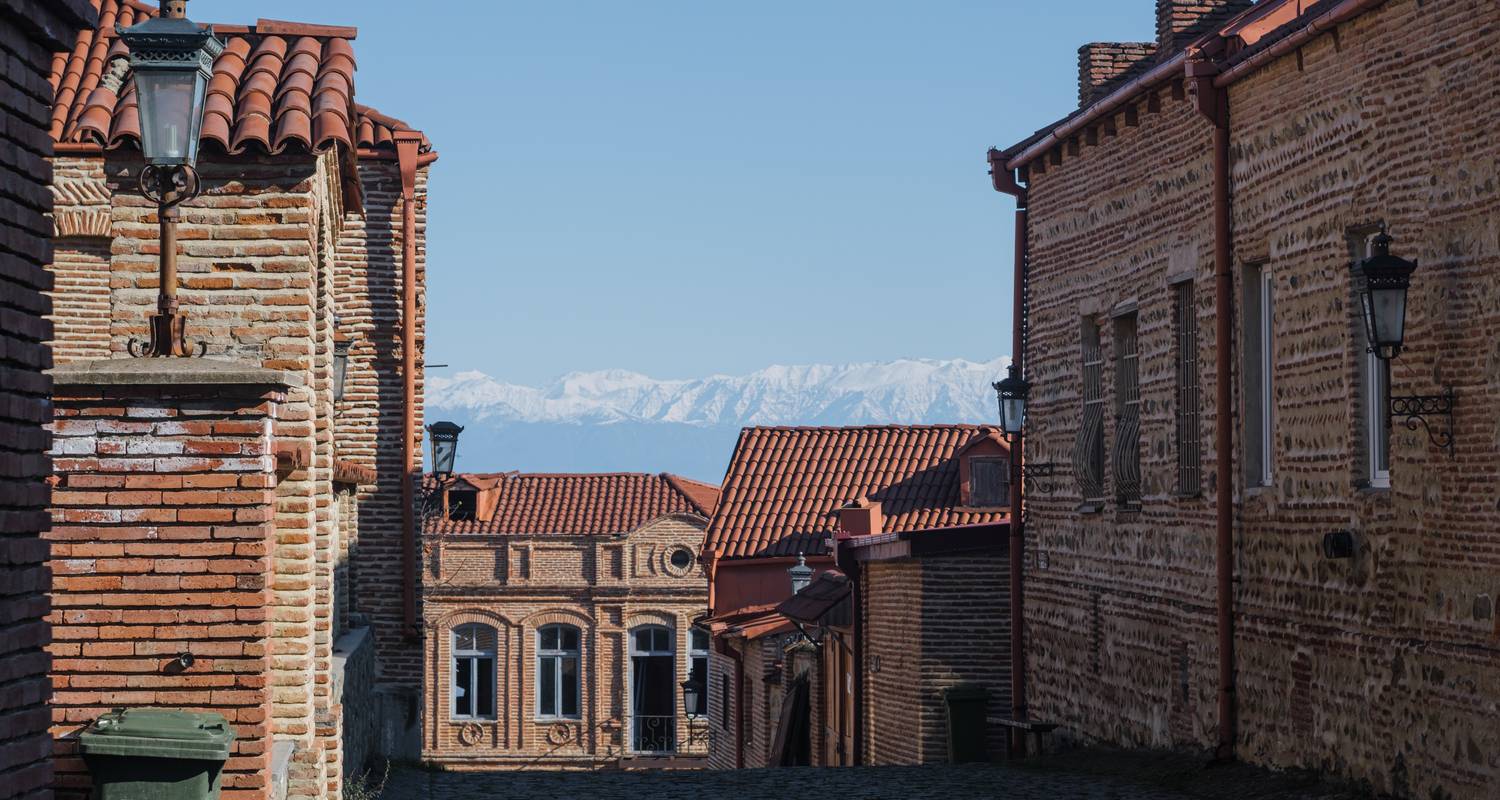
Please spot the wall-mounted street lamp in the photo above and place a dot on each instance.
(341, 345)
(444, 439)
(800, 573)
(1383, 303)
(692, 694)
(1012, 393)
(171, 61)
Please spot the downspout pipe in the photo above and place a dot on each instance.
(1004, 180)
(1212, 101)
(408, 152)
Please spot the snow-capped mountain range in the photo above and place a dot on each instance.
(617, 420)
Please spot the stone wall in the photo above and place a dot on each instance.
(162, 544)
(1393, 655)
(1119, 602)
(1379, 668)
(30, 32)
(604, 585)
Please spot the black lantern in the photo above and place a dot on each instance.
(172, 60)
(692, 694)
(800, 573)
(1012, 394)
(444, 437)
(341, 347)
(1383, 298)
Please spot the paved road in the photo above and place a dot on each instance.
(1086, 777)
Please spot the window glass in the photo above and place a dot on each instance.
(549, 638)
(547, 687)
(463, 678)
(1189, 447)
(699, 640)
(484, 696)
(569, 637)
(463, 505)
(569, 686)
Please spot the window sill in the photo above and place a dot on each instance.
(470, 720)
(550, 720)
(1090, 507)
(1198, 495)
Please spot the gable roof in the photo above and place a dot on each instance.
(784, 485)
(577, 504)
(277, 87)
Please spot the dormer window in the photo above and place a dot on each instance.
(463, 504)
(989, 482)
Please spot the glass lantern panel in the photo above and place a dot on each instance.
(1388, 307)
(168, 101)
(1014, 414)
(443, 454)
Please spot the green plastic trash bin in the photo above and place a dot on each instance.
(156, 754)
(968, 732)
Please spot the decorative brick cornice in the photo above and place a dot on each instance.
(81, 223)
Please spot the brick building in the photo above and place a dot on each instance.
(1193, 240)
(918, 515)
(30, 32)
(228, 533)
(559, 613)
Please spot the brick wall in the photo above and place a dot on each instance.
(1378, 668)
(30, 32)
(605, 586)
(162, 543)
(1100, 64)
(1179, 22)
(265, 263)
(932, 623)
(368, 428)
(1114, 598)
(1398, 647)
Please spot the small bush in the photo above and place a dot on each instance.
(366, 787)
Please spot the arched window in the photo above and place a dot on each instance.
(557, 674)
(474, 672)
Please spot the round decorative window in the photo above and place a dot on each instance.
(681, 558)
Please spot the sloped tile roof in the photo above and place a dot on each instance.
(784, 485)
(577, 504)
(277, 87)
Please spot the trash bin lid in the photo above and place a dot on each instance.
(158, 733)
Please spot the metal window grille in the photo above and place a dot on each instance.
(1126, 455)
(1088, 448)
(1189, 445)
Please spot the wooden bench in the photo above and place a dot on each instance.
(1022, 727)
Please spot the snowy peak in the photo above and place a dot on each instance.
(904, 391)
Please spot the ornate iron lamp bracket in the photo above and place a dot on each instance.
(1417, 408)
(1039, 478)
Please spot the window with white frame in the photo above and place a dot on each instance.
(1259, 358)
(473, 672)
(557, 674)
(1374, 381)
(698, 667)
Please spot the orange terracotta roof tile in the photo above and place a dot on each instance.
(784, 485)
(277, 87)
(576, 504)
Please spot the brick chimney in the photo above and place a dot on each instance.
(1179, 22)
(1100, 63)
(861, 518)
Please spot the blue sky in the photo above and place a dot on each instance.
(684, 188)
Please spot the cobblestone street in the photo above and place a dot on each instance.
(1075, 776)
